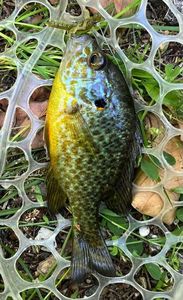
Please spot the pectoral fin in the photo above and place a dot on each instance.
(81, 132)
(56, 197)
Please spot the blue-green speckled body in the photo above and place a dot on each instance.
(92, 149)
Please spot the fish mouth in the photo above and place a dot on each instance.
(75, 47)
(78, 42)
(81, 38)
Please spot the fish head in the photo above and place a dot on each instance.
(84, 72)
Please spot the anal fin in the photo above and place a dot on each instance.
(80, 265)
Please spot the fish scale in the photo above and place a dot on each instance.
(91, 129)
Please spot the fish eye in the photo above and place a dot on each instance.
(96, 61)
(100, 103)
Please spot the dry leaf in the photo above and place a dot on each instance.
(3, 104)
(40, 94)
(22, 123)
(46, 265)
(39, 108)
(38, 141)
(38, 105)
(104, 4)
(119, 5)
(54, 2)
(142, 201)
(181, 127)
(175, 148)
(2, 116)
(3, 108)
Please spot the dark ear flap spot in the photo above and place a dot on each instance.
(100, 103)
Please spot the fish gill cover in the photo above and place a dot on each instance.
(23, 192)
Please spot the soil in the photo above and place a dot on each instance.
(8, 241)
(54, 2)
(36, 215)
(10, 202)
(84, 289)
(120, 291)
(73, 8)
(29, 261)
(6, 9)
(7, 76)
(147, 282)
(156, 12)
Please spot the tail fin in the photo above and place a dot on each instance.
(86, 259)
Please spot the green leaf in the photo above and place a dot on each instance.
(152, 88)
(120, 222)
(169, 158)
(108, 212)
(45, 218)
(179, 112)
(172, 72)
(114, 229)
(179, 214)
(178, 190)
(114, 251)
(150, 169)
(146, 84)
(135, 246)
(141, 74)
(154, 271)
(115, 237)
(75, 295)
(38, 194)
(115, 223)
(155, 161)
(168, 71)
(173, 99)
(178, 231)
(176, 72)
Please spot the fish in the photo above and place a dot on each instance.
(93, 141)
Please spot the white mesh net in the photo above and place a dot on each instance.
(18, 96)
